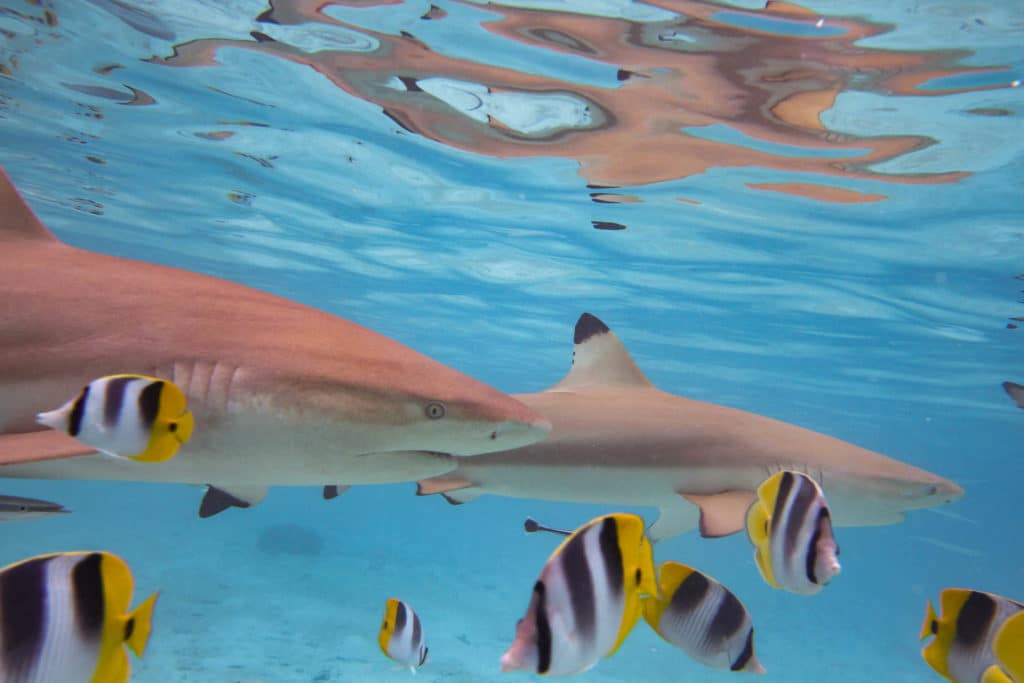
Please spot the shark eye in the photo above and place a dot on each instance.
(435, 410)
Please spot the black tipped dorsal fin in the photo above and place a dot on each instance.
(17, 220)
(599, 359)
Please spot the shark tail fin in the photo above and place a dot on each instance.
(17, 220)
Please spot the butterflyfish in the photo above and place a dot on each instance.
(401, 635)
(587, 598)
(791, 528)
(702, 618)
(64, 618)
(131, 416)
(962, 637)
(1009, 647)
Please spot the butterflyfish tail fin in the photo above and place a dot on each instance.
(139, 625)
(929, 618)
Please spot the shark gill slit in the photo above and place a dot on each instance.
(209, 382)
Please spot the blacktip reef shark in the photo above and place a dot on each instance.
(282, 393)
(618, 440)
(16, 508)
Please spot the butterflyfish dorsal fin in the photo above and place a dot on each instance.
(670, 576)
(599, 359)
(17, 220)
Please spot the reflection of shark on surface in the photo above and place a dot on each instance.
(282, 393)
(1016, 392)
(16, 508)
(618, 440)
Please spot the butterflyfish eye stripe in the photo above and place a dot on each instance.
(77, 412)
(149, 403)
(974, 619)
(543, 630)
(114, 400)
(87, 589)
(581, 586)
(23, 608)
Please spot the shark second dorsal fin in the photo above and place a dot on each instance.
(17, 220)
(599, 359)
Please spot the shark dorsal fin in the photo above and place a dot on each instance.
(17, 220)
(599, 359)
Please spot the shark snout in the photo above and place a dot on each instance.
(501, 425)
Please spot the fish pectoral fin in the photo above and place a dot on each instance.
(334, 490)
(48, 444)
(455, 489)
(219, 498)
(674, 518)
(722, 514)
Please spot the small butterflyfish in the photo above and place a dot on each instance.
(65, 617)
(130, 416)
(791, 529)
(962, 637)
(587, 598)
(702, 618)
(401, 635)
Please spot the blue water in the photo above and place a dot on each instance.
(884, 318)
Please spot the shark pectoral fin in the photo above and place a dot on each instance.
(219, 498)
(674, 518)
(35, 446)
(335, 490)
(722, 514)
(455, 489)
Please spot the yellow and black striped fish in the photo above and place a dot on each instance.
(791, 529)
(702, 618)
(587, 598)
(1009, 647)
(401, 635)
(64, 618)
(131, 416)
(961, 649)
